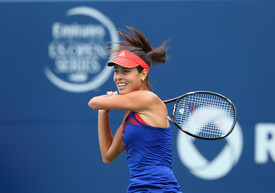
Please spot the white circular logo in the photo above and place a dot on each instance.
(221, 165)
(78, 50)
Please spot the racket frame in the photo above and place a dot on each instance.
(176, 99)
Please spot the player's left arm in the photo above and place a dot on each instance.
(133, 101)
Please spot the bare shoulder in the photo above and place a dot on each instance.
(148, 95)
(155, 112)
(151, 100)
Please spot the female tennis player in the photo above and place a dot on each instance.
(145, 132)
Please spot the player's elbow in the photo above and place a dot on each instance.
(107, 161)
(107, 158)
(92, 103)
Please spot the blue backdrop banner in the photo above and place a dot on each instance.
(53, 58)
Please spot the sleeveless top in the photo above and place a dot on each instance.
(149, 155)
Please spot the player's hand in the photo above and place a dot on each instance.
(109, 93)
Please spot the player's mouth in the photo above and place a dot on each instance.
(121, 86)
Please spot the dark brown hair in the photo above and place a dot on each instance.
(135, 42)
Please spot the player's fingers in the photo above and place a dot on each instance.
(109, 93)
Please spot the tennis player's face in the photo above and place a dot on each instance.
(127, 79)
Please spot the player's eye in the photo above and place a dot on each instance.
(115, 71)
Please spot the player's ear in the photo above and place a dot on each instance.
(144, 74)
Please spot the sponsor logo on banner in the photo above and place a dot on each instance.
(79, 50)
(218, 167)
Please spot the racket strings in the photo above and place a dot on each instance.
(204, 115)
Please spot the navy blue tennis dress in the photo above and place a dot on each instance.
(149, 155)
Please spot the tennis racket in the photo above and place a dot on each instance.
(203, 114)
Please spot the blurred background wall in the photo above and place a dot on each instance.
(53, 56)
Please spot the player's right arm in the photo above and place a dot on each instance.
(110, 146)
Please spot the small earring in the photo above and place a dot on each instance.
(142, 79)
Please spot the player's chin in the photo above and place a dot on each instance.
(122, 92)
